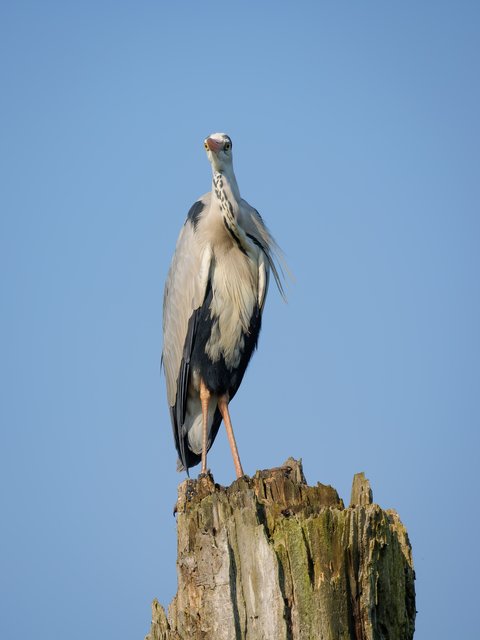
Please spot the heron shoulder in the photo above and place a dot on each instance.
(197, 209)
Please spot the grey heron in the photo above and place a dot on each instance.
(212, 308)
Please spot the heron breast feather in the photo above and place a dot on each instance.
(234, 284)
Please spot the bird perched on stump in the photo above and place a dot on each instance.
(212, 308)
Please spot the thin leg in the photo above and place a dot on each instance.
(204, 398)
(223, 407)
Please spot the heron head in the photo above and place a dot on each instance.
(219, 151)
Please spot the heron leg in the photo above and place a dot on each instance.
(223, 408)
(204, 398)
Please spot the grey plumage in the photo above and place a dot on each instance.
(213, 301)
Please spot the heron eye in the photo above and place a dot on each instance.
(205, 145)
(228, 146)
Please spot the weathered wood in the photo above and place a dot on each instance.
(271, 558)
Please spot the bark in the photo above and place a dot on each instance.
(272, 558)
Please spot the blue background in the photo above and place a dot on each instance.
(356, 135)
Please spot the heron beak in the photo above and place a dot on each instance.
(213, 145)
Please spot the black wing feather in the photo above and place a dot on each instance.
(177, 413)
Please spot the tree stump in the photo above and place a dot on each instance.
(271, 558)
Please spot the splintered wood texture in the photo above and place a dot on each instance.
(271, 558)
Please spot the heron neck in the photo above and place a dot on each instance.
(225, 191)
(225, 181)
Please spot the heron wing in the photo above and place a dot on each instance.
(184, 293)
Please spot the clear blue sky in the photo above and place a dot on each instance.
(356, 135)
